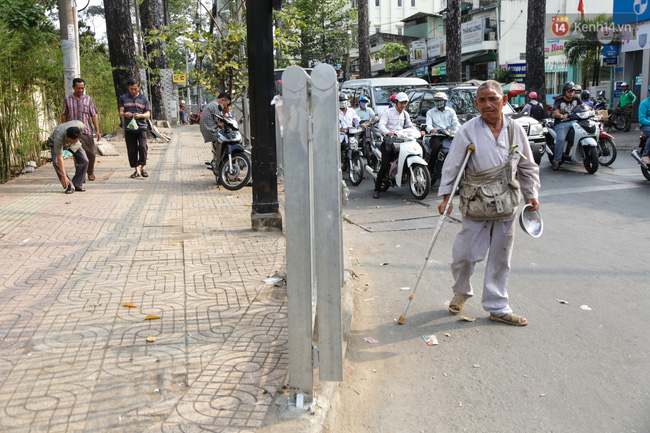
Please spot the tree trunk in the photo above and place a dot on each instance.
(454, 48)
(535, 70)
(121, 46)
(364, 40)
(152, 17)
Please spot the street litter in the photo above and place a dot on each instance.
(384, 264)
(542, 395)
(431, 340)
(405, 288)
(272, 280)
(447, 334)
(476, 366)
(370, 299)
(370, 340)
(585, 307)
(151, 317)
(562, 301)
(151, 339)
(130, 305)
(467, 319)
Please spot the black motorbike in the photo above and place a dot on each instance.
(435, 165)
(645, 169)
(352, 155)
(230, 163)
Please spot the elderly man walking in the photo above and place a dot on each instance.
(498, 140)
(77, 106)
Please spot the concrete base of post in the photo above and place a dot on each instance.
(266, 222)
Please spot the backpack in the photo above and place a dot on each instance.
(538, 112)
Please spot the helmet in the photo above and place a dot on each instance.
(440, 96)
(392, 98)
(568, 86)
(343, 97)
(182, 101)
(577, 88)
(364, 99)
(585, 94)
(624, 84)
(532, 95)
(401, 97)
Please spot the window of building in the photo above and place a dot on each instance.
(377, 3)
(412, 3)
(399, 31)
(399, 3)
(377, 29)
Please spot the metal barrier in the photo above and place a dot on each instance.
(312, 166)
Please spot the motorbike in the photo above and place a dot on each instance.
(195, 118)
(601, 102)
(645, 169)
(372, 138)
(581, 144)
(230, 163)
(435, 167)
(606, 145)
(408, 167)
(352, 155)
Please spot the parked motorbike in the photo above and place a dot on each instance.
(407, 168)
(435, 166)
(601, 101)
(195, 118)
(230, 163)
(352, 155)
(581, 144)
(645, 169)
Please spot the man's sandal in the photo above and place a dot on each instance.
(80, 189)
(457, 304)
(510, 319)
(135, 174)
(69, 190)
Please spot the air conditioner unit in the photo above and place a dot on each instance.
(492, 36)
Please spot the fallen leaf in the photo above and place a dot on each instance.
(151, 317)
(562, 301)
(542, 395)
(130, 305)
(447, 334)
(151, 339)
(467, 319)
(68, 202)
(384, 264)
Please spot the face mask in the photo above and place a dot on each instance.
(439, 104)
(362, 105)
(343, 104)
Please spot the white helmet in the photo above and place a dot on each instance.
(402, 97)
(440, 95)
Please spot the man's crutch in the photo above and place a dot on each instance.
(470, 149)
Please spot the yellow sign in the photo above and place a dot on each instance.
(179, 78)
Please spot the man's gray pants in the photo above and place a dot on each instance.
(471, 246)
(80, 165)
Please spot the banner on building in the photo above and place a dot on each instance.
(553, 47)
(418, 52)
(519, 70)
(179, 78)
(436, 47)
(471, 32)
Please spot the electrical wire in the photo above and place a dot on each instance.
(84, 8)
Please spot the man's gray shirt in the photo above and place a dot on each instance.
(208, 122)
(58, 138)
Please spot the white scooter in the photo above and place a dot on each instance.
(581, 144)
(409, 166)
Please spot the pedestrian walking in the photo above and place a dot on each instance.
(78, 106)
(501, 149)
(135, 109)
(67, 136)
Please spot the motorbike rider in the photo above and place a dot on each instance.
(392, 120)
(562, 108)
(584, 97)
(625, 105)
(534, 108)
(347, 117)
(439, 118)
(392, 101)
(364, 112)
(644, 120)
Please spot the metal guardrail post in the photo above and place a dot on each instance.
(328, 229)
(298, 231)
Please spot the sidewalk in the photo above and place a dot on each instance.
(74, 358)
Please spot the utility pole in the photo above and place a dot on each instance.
(347, 54)
(265, 213)
(69, 43)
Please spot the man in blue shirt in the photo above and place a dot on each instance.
(644, 120)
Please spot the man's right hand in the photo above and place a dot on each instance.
(443, 205)
(64, 181)
(390, 134)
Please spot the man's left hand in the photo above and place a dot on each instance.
(422, 133)
(533, 202)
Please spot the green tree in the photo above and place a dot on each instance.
(393, 54)
(584, 48)
(324, 35)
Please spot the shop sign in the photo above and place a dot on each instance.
(471, 32)
(553, 47)
(179, 78)
(436, 47)
(610, 50)
(418, 52)
(439, 70)
(520, 71)
(610, 61)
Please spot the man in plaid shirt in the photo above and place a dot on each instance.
(78, 106)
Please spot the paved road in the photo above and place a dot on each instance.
(578, 367)
(74, 358)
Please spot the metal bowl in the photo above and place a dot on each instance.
(531, 221)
